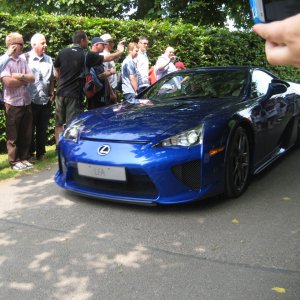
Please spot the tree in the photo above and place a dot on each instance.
(204, 12)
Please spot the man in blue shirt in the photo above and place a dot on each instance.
(129, 74)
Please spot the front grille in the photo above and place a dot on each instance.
(135, 186)
(189, 173)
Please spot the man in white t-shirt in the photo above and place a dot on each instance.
(165, 63)
(142, 64)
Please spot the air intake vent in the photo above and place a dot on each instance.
(189, 173)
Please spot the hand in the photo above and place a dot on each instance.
(11, 49)
(282, 41)
(18, 76)
(104, 75)
(145, 102)
(121, 47)
(172, 58)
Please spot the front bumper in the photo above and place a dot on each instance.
(153, 175)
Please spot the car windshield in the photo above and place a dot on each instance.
(197, 85)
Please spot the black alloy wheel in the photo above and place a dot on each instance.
(237, 164)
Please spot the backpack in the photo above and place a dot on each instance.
(152, 75)
(92, 84)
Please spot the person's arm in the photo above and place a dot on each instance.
(56, 73)
(18, 79)
(106, 74)
(161, 64)
(282, 41)
(116, 55)
(6, 56)
(13, 81)
(133, 82)
(3, 61)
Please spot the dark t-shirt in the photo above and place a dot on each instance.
(70, 61)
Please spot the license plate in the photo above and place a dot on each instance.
(102, 172)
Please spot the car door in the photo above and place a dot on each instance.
(267, 116)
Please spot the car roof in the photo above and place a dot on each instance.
(227, 68)
(223, 68)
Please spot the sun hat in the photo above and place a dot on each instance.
(106, 37)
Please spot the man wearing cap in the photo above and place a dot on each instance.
(69, 66)
(102, 98)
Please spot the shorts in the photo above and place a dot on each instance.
(66, 108)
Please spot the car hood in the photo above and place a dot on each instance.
(142, 123)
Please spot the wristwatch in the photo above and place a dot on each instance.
(22, 76)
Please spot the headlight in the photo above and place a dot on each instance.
(73, 130)
(187, 138)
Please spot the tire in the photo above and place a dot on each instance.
(237, 164)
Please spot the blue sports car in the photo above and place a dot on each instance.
(193, 134)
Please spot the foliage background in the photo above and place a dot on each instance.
(196, 46)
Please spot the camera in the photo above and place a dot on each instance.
(264, 11)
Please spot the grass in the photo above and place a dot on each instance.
(6, 172)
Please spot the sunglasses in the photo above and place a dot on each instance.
(20, 44)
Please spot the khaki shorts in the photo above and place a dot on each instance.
(66, 108)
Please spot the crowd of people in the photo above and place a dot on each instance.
(32, 81)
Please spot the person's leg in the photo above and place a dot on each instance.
(35, 114)
(11, 123)
(24, 133)
(73, 108)
(60, 117)
(41, 129)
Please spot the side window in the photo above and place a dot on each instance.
(259, 83)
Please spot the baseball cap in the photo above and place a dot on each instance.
(106, 37)
(98, 40)
(180, 65)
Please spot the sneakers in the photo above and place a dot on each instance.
(21, 165)
(27, 164)
(18, 166)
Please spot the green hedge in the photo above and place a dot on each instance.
(195, 46)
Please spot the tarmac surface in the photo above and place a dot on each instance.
(56, 245)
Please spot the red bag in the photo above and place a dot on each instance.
(152, 75)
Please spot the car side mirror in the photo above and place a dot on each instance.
(278, 86)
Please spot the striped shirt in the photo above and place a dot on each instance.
(16, 96)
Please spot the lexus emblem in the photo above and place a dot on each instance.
(104, 150)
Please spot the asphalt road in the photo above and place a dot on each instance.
(54, 245)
